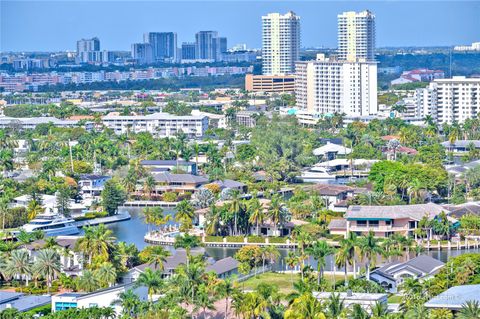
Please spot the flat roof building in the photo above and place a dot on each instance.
(270, 83)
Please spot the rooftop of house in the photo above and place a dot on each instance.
(459, 210)
(77, 295)
(422, 265)
(223, 265)
(455, 297)
(62, 241)
(338, 223)
(93, 177)
(228, 183)
(331, 148)
(415, 212)
(22, 302)
(346, 162)
(331, 190)
(166, 177)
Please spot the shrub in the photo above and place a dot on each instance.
(277, 240)
(256, 239)
(170, 197)
(214, 239)
(235, 239)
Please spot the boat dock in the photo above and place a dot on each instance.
(104, 220)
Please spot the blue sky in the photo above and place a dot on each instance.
(56, 25)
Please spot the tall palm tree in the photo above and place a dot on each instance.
(186, 242)
(106, 274)
(129, 301)
(369, 248)
(226, 289)
(257, 215)
(335, 306)
(149, 186)
(235, 207)
(88, 281)
(305, 307)
(47, 265)
(319, 251)
(19, 265)
(152, 279)
(276, 212)
(342, 259)
(291, 261)
(156, 255)
(185, 214)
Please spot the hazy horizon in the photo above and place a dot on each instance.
(57, 25)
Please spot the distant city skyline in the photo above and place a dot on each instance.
(57, 25)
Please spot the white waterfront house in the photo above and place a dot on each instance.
(101, 298)
(158, 124)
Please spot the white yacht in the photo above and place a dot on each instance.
(316, 173)
(52, 225)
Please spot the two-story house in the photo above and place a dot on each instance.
(385, 221)
(92, 185)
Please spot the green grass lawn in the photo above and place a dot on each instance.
(282, 281)
(394, 299)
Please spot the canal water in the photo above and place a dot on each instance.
(133, 230)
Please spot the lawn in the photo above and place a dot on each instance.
(394, 299)
(281, 280)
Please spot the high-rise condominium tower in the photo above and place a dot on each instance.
(164, 45)
(356, 36)
(280, 43)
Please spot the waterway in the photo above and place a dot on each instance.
(133, 230)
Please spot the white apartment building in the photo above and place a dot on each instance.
(158, 124)
(356, 36)
(280, 43)
(327, 86)
(457, 99)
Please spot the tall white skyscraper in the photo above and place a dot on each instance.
(280, 43)
(356, 36)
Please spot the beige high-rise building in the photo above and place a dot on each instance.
(280, 43)
(356, 36)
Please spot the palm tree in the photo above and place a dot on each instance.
(204, 300)
(305, 307)
(357, 312)
(106, 274)
(19, 265)
(34, 208)
(185, 214)
(470, 310)
(335, 306)
(47, 265)
(156, 255)
(88, 281)
(103, 241)
(149, 186)
(319, 251)
(226, 289)
(379, 310)
(235, 207)
(129, 301)
(186, 242)
(152, 279)
(342, 259)
(291, 261)
(276, 212)
(369, 248)
(257, 215)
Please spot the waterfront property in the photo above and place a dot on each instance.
(100, 298)
(391, 275)
(461, 146)
(179, 183)
(335, 196)
(92, 185)
(331, 151)
(455, 297)
(71, 260)
(385, 221)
